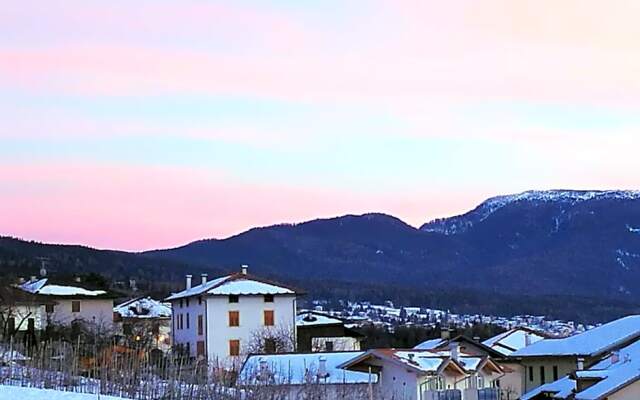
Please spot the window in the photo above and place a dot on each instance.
(268, 318)
(555, 372)
(181, 321)
(269, 346)
(75, 306)
(187, 302)
(200, 348)
(189, 348)
(530, 374)
(328, 345)
(187, 320)
(11, 325)
(234, 347)
(234, 318)
(200, 300)
(268, 298)
(180, 303)
(233, 298)
(542, 380)
(200, 325)
(48, 308)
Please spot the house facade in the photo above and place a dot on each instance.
(225, 319)
(614, 377)
(71, 302)
(22, 313)
(321, 332)
(429, 375)
(549, 360)
(145, 320)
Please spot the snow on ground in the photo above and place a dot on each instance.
(23, 393)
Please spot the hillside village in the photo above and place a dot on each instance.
(239, 335)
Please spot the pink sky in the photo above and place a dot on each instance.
(152, 124)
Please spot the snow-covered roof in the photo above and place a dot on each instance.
(421, 361)
(315, 318)
(297, 369)
(43, 288)
(611, 374)
(512, 340)
(430, 344)
(236, 284)
(144, 307)
(589, 343)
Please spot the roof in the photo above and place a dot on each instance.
(143, 307)
(236, 284)
(611, 375)
(440, 344)
(44, 288)
(15, 296)
(513, 340)
(298, 369)
(312, 318)
(431, 344)
(590, 343)
(421, 361)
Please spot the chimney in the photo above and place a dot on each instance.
(77, 279)
(204, 278)
(21, 280)
(527, 339)
(33, 278)
(411, 355)
(139, 307)
(476, 338)
(455, 350)
(322, 368)
(445, 334)
(188, 285)
(243, 269)
(580, 364)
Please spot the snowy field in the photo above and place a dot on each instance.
(23, 393)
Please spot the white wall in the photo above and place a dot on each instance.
(251, 310)
(22, 313)
(339, 343)
(188, 335)
(99, 311)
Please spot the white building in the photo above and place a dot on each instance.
(74, 303)
(429, 375)
(233, 316)
(615, 377)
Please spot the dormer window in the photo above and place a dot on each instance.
(234, 298)
(268, 298)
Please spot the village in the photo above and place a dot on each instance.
(240, 336)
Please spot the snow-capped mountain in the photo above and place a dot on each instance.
(563, 199)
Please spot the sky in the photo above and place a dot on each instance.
(153, 123)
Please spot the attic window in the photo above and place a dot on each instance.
(268, 298)
(233, 298)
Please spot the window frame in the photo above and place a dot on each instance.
(234, 318)
(75, 306)
(271, 321)
(200, 325)
(234, 347)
